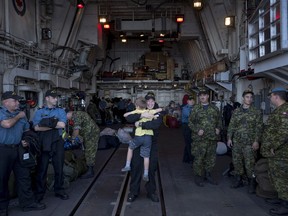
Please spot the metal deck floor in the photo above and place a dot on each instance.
(182, 197)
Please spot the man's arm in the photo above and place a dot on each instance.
(133, 118)
(8, 123)
(153, 124)
(128, 113)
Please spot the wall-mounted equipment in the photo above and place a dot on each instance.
(46, 34)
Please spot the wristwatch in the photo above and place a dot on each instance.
(140, 124)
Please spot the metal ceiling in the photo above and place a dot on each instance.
(139, 9)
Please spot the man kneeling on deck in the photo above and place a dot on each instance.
(86, 127)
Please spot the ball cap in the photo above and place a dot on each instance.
(203, 91)
(52, 93)
(277, 89)
(10, 94)
(191, 97)
(248, 91)
(150, 95)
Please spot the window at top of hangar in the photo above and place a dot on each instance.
(267, 30)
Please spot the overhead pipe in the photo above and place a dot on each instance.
(30, 57)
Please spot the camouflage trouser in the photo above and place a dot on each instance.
(278, 173)
(204, 152)
(91, 146)
(243, 156)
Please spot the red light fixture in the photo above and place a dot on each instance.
(106, 26)
(161, 41)
(180, 18)
(80, 4)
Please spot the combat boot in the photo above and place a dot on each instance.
(210, 179)
(237, 182)
(252, 185)
(198, 181)
(282, 210)
(89, 173)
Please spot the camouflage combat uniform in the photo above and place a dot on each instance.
(275, 136)
(244, 129)
(90, 133)
(204, 147)
(93, 111)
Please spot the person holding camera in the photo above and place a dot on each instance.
(49, 123)
(13, 124)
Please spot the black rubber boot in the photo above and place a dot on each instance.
(210, 179)
(237, 182)
(89, 173)
(199, 180)
(275, 201)
(282, 210)
(252, 185)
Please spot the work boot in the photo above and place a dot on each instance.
(237, 182)
(4, 212)
(34, 207)
(153, 196)
(276, 201)
(198, 181)
(123, 136)
(89, 173)
(252, 185)
(282, 210)
(210, 179)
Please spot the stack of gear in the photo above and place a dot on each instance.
(73, 143)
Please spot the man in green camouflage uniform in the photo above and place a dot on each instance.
(204, 122)
(88, 129)
(244, 129)
(275, 148)
(93, 111)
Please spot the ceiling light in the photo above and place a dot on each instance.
(162, 34)
(124, 40)
(229, 21)
(180, 18)
(142, 40)
(80, 4)
(197, 4)
(121, 34)
(142, 34)
(106, 26)
(102, 20)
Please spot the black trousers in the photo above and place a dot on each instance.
(187, 156)
(57, 156)
(10, 161)
(137, 168)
